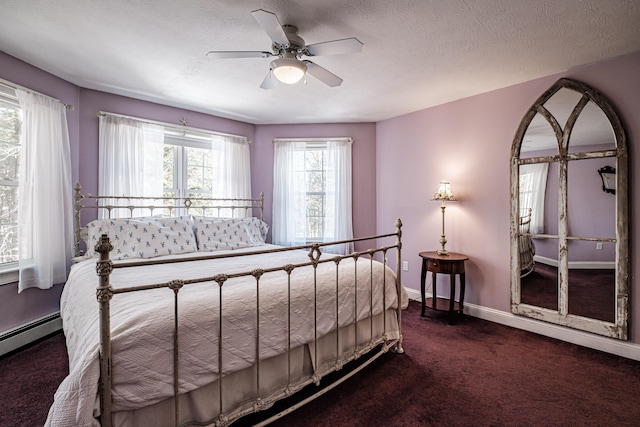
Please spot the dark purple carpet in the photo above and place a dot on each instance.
(478, 373)
(591, 292)
(28, 380)
(474, 373)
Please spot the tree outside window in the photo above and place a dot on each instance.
(10, 120)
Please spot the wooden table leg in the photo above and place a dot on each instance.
(452, 298)
(434, 300)
(423, 277)
(462, 291)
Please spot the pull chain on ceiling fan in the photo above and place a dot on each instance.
(289, 47)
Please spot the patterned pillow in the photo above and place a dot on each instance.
(257, 229)
(145, 238)
(215, 234)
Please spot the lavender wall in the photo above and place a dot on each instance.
(397, 165)
(94, 101)
(591, 211)
(18, 309)
(364, 165)
(26, 75)
(469, 143)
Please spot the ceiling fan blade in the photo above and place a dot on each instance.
(269, 81)
(325, 76)
(336, 47)
(238, 54)
(271, 25)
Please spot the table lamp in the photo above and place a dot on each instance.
(444, 195)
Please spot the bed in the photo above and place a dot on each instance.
(214, 324)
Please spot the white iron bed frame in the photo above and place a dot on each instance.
(105, 292)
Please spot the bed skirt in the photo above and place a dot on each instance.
(201, 407)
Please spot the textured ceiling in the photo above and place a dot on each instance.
(417, 53)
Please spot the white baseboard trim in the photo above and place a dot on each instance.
(30, 332)
(23, 335)
(585, 339)
(414, 294)
(581, 265)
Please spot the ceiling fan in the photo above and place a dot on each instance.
(289, 48)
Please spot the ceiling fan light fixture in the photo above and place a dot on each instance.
(288, 70)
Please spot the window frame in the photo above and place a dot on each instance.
(9, 271)
(290, 205)
(180, 144)
(309, 148)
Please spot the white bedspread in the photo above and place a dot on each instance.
(142, 324)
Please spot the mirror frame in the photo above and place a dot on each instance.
(619, 328)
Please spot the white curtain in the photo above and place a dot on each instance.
(130, 161)
(231, 170)
(288, 225)
(289, 221)
(533, 186)
(338, 220)
(45, 204)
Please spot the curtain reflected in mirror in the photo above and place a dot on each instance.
(569, 238)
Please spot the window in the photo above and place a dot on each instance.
(188, 165)
(532, 186)
(152, 160)
(312, 192)
(10, 123)
(33, 129)
(311, 168)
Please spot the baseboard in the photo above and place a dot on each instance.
(585, 339)
(414, 294)
(580, 265)
(26, 334)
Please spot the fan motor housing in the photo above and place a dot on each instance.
(296, 43)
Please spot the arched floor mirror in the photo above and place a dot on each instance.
(569, 212)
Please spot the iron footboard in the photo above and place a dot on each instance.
(381, 344)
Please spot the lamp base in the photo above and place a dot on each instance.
(443, 239)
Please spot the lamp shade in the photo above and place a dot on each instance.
(288, 70)
(444, 192)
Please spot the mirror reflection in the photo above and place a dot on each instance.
(568, 233)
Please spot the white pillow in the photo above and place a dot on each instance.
(256, 228)
(144, 238)
(214, 234)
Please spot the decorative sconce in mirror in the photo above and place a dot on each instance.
(608, 176)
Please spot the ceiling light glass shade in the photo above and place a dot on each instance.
(288, 70)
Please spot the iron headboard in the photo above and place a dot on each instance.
(129, 207)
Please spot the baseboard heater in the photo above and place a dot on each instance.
(26, 334)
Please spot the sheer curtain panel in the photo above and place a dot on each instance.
(131, 160)
(289, 195)
(231, 170)
(295, 192)
(338, 224)
(533, 186)
(45, 204)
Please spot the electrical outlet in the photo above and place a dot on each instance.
(599, 246)
(405, 265)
